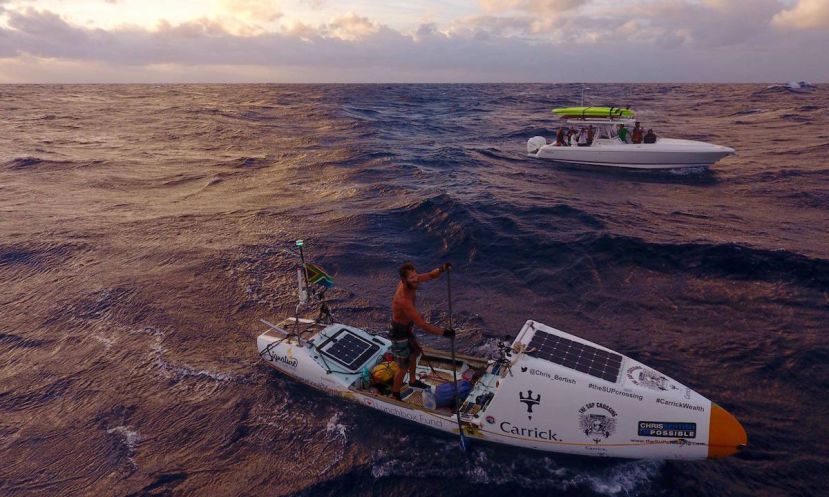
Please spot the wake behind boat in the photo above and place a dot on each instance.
(605, 148)
(547, 390)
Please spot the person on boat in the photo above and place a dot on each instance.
(636, 134)
(560, 137)
(590, 135)
(650, 137)
(623, 133)
(582, 139)
(404, 317)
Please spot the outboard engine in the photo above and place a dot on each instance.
(535, 143)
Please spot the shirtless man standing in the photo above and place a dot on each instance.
(404, 317)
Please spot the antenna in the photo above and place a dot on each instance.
(300, 243)
(306, 294)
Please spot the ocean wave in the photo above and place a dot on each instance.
(362, 113)
(95, 306)
(509, 472)
(537, 235)
(32, 397)
(31, 163)
(443, 158)
(16, 341)
(370, 176)
(810, 199)
(819, 149)
(747, 112)
(798, 118)
(25, 163)
(729, 260)
(38, 256)
(248, 162)
(177, 372)
(499, 155)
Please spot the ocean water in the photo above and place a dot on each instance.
(144, 231)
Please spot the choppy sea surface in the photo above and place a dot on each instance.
(144, 232)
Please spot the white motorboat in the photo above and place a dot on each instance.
(793, 87)
(546, 390)
(800, 86)
(606, 149)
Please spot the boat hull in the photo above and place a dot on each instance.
(538, 405)
(665, 154)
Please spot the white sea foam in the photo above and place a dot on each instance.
(180, 371)
(527, 471)
(131, 439)
(688, 171)
(336, 428)
(626, 478)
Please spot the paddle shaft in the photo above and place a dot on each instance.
(454, 365)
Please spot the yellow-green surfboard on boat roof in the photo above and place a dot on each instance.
(594, 112)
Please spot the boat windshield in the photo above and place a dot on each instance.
(605, 129)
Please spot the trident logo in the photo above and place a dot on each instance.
(530, 401)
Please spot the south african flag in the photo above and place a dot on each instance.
(318, 276)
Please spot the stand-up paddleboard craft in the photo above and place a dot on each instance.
(547, 390)
(605, 148)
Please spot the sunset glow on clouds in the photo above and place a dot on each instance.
(366, 41)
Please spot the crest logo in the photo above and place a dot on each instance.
(647, 378)
(530, 401)
(597, 421)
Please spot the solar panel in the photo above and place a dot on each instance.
(575, 355)
(348, 349)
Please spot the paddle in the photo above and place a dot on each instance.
(454, 366)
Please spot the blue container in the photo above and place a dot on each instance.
(445, 393)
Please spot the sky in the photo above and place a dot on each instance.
(342, 41)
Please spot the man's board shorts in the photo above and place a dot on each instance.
(402, 342)
(401, 351)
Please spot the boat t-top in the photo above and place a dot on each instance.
(545, 390)
(607, 149)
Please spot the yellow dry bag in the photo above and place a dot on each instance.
(384, 372)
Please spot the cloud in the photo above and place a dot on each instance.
(673, 23)
(667, 23)
(252, 10)
(351, 27)
(300, 30)
(484, 27)
(656, 44)
(247, 17)
(537, 15)
(542, 7)
(806, 14)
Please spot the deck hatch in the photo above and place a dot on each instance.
(575, 355)
(348, 349)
